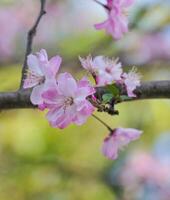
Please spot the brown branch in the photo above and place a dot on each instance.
(153, 90)
(30, 38)
(12, 100)
(147, 90)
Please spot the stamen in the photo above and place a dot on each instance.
(34, 77)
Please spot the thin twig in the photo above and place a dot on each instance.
(30, 38)
(98, 2)
(102, 122)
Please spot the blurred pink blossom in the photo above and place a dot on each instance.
(8, 31)
(142, 168)
(117, 22)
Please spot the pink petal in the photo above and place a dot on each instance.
(67, 85)
(110, 149)
(84, 111)
(59, 118)
(42, 55)
(65, 122)
(50, 96)
(117, 140)
(55, 63)
(79, 119)
(36, 97)
(102, 25)
(54, 114)
(129, 134)
(28, 83)
(33, 64)
(42, 107)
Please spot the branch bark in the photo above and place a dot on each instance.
(147, 90)
(30, 38)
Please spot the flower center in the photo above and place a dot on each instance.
(34, 77)
(108, 70)
(68, 101)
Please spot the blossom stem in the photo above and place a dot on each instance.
(100, 4)
(102, 122)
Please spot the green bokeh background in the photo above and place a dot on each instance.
(38, 162)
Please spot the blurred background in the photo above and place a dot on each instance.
(38, 162)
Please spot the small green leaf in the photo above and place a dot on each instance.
(113, 89)
(107, 97)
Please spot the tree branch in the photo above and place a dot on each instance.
(147, 90)
(30, 38)
(12, 100)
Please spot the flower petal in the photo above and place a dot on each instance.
(54, 64)
(33, 64)
(36, 95)
(42, 55)
(67, 85)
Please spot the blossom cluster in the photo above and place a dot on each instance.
(107, 71)
(61, 94)
(70, 101)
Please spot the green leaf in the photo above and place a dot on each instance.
(107, 97)
(113, 89)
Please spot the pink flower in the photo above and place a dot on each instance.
(104, 70)
(131, 81)
(89, 65)
(41, 74)
(67, 102)
(119, 138)
(117, 22)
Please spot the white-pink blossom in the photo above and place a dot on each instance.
(104, 70)
(131, 81)
(41, 74)
(117, 22)
(117, 139)
(67, 101)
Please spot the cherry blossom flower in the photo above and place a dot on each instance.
(67, 102)
(117, 22)
(131, 81)
(117, 139)
(104, 70)
(89, 65)
(41, 74)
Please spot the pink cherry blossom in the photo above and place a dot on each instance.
(67, 102)
(88, 64)
(104, 70)
(41, 74)
(119, 138)
(117, 22)
(131, 81)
